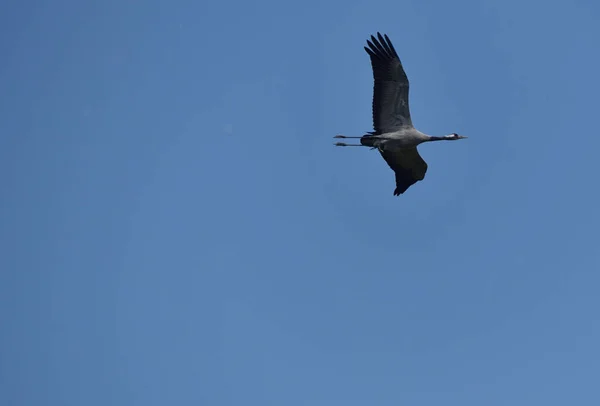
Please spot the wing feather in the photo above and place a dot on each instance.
(408, 166)
(390, 90)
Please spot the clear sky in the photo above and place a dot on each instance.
(176, 227)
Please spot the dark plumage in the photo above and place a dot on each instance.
(395, 136)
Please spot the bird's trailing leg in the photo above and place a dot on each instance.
(343, 144)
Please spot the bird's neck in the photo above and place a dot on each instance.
(434, 138)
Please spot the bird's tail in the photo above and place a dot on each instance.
(369, 140)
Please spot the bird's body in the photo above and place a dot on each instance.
(395, 136)
(405, 137)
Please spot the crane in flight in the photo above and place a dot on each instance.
(394, 135)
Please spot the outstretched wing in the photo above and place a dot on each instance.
(390, 91)
(408, 166)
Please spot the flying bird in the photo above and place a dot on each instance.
(394, 135)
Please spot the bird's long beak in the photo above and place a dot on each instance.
(462, 136)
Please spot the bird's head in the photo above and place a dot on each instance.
(455, 136)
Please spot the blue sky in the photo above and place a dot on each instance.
(178, 229)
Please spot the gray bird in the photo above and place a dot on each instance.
(394, 135)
